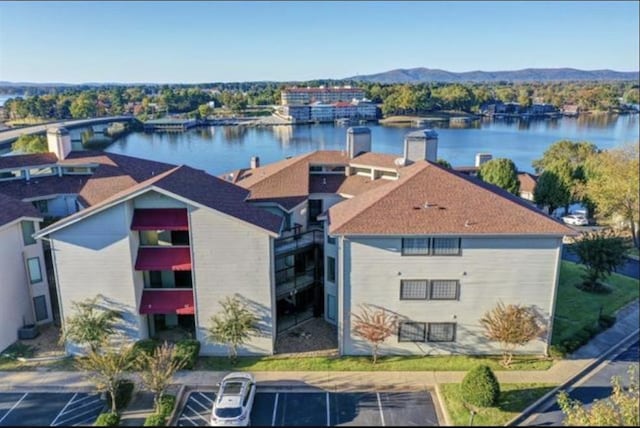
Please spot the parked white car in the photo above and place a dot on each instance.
(576, 220)
(234, 401)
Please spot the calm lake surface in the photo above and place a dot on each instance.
(221, 149)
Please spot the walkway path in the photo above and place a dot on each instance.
(627, 324)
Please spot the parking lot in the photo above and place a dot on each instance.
(323, 409)
(49, 408)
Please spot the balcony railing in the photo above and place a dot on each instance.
(288, 279)
(299, 241)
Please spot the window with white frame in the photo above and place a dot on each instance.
(415, 246)
(446, 246)
(441, 332)
(35, 273)
(444, 289)
(409, 331)
(413, 289)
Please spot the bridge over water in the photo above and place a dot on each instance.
(9, 136)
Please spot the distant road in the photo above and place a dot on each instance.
(630, 268)
(9, 136)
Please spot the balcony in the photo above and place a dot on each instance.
(164, 258)
(288, 280)
(179, 302)
(298, 241)
(160, 219)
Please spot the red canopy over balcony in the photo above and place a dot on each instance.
(167, 302)
(160, 219)
(164, 258)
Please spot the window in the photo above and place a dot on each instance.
(155, 279)
(446, 246)
(442, 332)
(444, 289)
(331, 269)
(42, 205)
(415, 246)
(413, 289)
(40, 306)
(331, 239)
(315, 209)
(412, 331)
(28, 229)
(35, 273)
(41, 172)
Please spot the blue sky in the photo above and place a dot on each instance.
(239, 41)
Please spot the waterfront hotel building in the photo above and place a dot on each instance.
(312, 236)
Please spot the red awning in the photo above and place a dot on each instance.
(167, 302)
(164, 258)
(160, 219)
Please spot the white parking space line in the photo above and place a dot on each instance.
(328, 413)
(84, 405)
(189, 419)
(73, 417)
(13, 407)
(199, 403)
(275, 408)
(63, 409)
(380, 407)
(197, 414)
(81, 399)
(206, 398)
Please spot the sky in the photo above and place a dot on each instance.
(198, 42)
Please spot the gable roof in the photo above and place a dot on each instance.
(12, 209)
(191, 184)
(527, 182)
(457, 204)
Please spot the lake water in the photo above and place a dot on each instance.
(221, 149)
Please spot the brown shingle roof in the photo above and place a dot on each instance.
(381, 160)
(35, 159)
(457, 205)
(527, 182)
(12, 209)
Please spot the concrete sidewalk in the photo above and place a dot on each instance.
(626, 325)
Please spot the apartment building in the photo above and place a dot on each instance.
(311, 236)
(321, 94)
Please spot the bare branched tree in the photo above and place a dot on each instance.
(374, 326)
(511, 325)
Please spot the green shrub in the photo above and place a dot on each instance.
(107, 420)
(155, 420)
(593, 329)
(146, 346)
(123, 394)
(557, 351)
(167, 403)
(187, 350)
(480, 387)
(607, 321)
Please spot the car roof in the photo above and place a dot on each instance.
(229, 401)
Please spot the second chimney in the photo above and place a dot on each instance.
(255, 162)
(421, 145)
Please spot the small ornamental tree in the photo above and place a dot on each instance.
(480, 387)
(511, 325)
(601, 252)
(157, 369)
(106, 369)
(233, 326)
(374, 326)
(622, 408)
(90, 324)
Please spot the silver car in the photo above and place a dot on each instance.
(234, 400)
(576, 220)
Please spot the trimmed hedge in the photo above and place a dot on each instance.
(107, 420)
(145, 346)
(123, 394)
(187, 350)
(155, 420)
(480, 387)
(167, 403)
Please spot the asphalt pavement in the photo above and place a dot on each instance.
(34, 409)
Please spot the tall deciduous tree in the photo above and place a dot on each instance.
(106, 368)
(374, 326)
(157, 370)
(233, 326)
(512, 326)
(550, 191)
(621, 409)
(601, 252)
(91, 324)
(31, 144)
(613, 185)
(501, 172)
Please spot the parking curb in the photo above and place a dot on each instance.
(442, 407)
(526, 413)
(178, 405)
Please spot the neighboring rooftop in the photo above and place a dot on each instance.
(12, 209)
(527, 182)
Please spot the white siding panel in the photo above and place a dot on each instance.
(513, 270)
(93, 257)
(231, 258)
(157, 200)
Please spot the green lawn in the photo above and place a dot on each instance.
(514, 398)
(576, 309)
(406, 363)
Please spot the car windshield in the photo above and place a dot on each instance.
(231, 388)
(228, 412)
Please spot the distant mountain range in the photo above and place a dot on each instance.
(422, 75)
